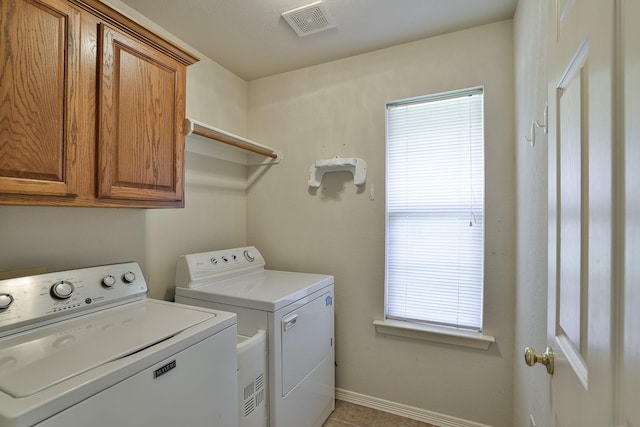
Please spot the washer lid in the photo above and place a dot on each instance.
(267, 290)
(38, 359)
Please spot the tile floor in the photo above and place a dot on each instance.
(352, 415)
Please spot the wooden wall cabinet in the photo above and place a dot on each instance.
(92, 108)
(39, 58)
(141, 120)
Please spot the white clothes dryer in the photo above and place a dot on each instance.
(296, 310)
(85, 347)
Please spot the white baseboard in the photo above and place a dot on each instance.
(406, 411)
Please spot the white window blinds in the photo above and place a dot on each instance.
(435, 210)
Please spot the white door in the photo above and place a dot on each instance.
(582, 241)
(630, 345)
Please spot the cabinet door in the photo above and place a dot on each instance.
(38, 72)
(141, 120)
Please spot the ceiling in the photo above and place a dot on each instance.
(252, 40)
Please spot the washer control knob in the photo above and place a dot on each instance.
(248, 255)
(5, 301)
(129, 277)
(62, 289)
(108, 281)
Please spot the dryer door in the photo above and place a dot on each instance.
(307, 338)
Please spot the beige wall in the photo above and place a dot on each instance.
(64, 238)
(214, 215)
(337, 109)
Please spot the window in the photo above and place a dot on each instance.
(435, 210)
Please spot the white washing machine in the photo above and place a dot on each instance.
(85, 347)
(296, 310)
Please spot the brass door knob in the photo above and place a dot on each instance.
(531, 358)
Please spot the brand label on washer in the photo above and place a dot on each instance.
(164, 369)
(328, 301)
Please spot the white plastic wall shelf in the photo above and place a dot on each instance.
(233, 148)
(356, 166)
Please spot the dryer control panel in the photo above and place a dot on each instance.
(210, 267)
(31, 301)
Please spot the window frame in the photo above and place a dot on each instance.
(424, 329)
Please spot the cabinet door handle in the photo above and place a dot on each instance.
(289, 321)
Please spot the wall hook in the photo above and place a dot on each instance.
(536, 124)
(531, 139)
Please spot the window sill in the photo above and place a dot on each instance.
(434, 333)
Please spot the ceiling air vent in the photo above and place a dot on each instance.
(309, 19)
